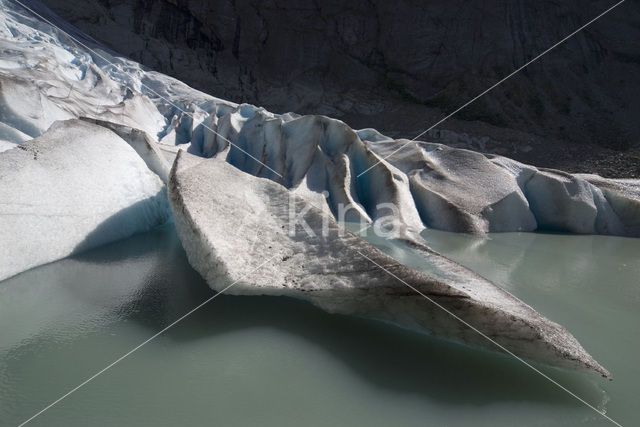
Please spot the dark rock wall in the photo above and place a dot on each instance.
(400, 65)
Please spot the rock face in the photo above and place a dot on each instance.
(75, 187)
(259, 251)
(399, 66)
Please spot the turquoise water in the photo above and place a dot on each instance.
(242, 361)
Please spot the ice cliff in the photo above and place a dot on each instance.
(431, 184)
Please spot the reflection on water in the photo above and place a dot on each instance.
(276, 361)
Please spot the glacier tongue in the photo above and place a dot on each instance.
(75, 187)
(236, 230)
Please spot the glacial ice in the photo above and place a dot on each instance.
(432, 185)
(253, 252)
(142, 143)
(75, 187)
(6, 145)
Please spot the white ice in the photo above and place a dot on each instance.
(75, 187)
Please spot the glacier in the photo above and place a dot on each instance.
(87, 139)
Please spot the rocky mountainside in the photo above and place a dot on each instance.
(401, 66)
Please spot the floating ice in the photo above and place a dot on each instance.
(236, 231)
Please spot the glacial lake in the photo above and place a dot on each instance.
(266, 361)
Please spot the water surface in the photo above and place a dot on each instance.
(274, 361)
